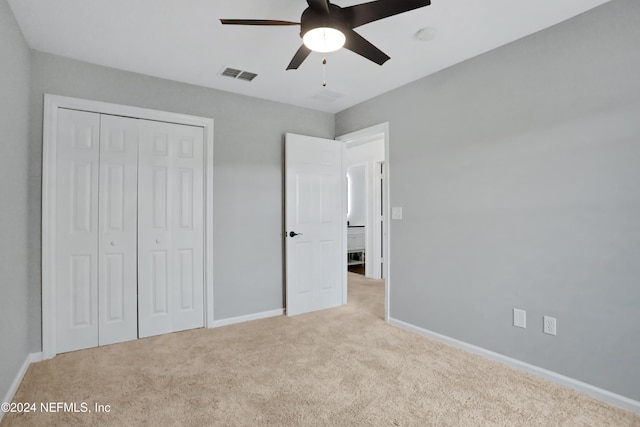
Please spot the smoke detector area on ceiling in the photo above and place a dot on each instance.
(425, 34)
(234, 73)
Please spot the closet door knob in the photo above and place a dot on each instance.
(113, 243)
(158, 241)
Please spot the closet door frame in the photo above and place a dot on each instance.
(52, 103)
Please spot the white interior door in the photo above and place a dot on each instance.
(315, 223)
(117, 240)
(170, 228)
(76, 266)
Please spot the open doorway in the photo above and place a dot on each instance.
(356, 217)
(367, 188)
(365, 163)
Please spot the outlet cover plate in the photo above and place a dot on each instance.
(549, 325)
(519, 318)
(396, 213)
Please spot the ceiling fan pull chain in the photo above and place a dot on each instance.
(324, 71)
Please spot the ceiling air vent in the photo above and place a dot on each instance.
(231, 72)
(245, 75)
(238, 74)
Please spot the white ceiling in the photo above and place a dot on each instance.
(183, 40)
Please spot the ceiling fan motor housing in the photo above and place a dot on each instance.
(314, 19)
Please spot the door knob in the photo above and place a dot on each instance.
(294, 234)
(113, 243)
(158, 241)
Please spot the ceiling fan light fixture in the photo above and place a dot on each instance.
(324, 39)
(324, 27)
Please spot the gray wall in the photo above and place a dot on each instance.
(248, 142)
(519, 174)
(15, 286)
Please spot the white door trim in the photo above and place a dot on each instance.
(362, 137)
(51, 105)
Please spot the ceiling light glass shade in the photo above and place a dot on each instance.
(324, 39)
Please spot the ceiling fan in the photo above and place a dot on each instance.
(326, 27)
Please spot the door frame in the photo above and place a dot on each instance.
(49, 142)
(361, 137)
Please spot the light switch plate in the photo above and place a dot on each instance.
(519, 318)
(396, 213)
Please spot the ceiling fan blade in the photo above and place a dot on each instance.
(256, 22)
(299, 57)
(319, 5)
(358, 44)
(364, 13)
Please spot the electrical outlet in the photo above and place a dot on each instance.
(519, 318)
(549, 325)
(396, 213)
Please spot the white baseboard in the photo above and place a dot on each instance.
(31, 358)
(247, 318)
(593, 391)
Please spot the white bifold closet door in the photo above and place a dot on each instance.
(117, 222)
(129, 229)
(95, 230)
(170, 228)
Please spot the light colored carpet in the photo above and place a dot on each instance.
(337, 367)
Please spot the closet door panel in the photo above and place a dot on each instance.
(77, 166)
(118, 229)
(155, 268)
(188, 228)
(170, 244)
